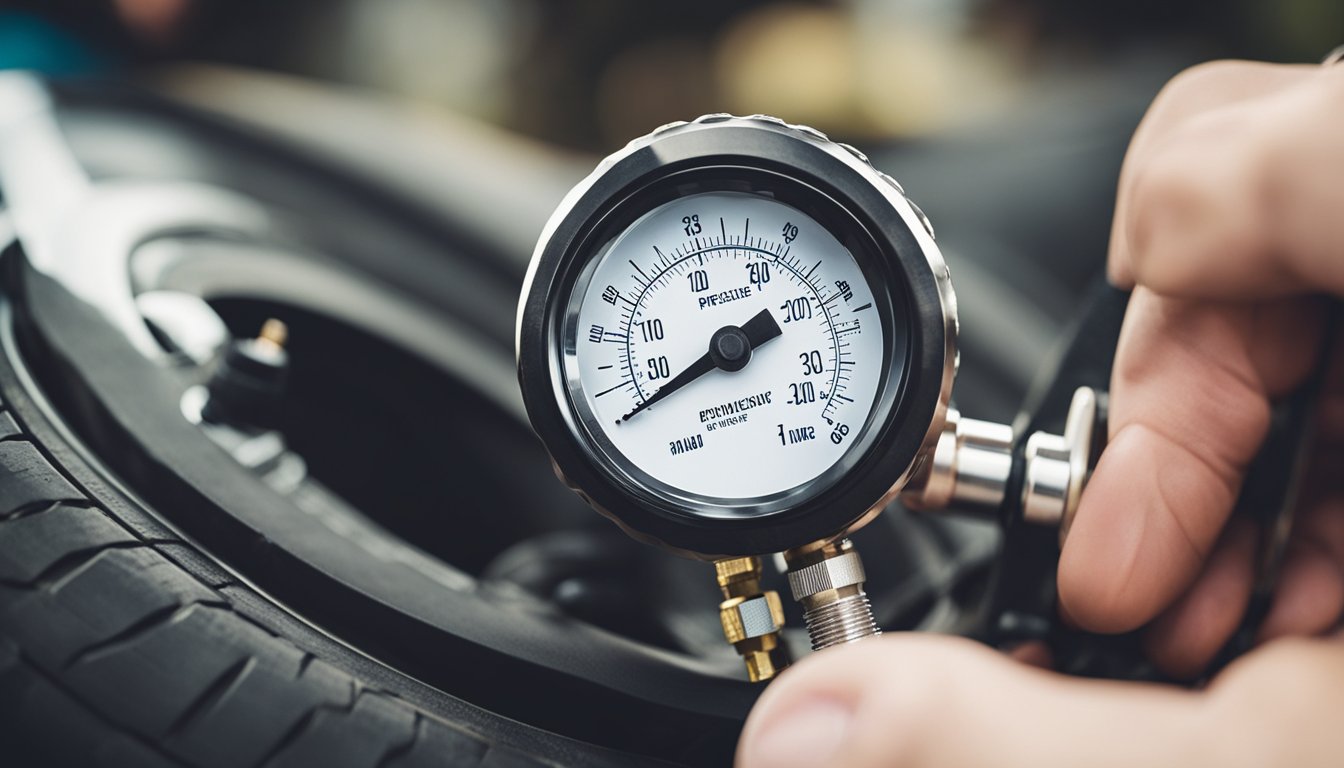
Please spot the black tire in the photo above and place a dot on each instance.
(123, 644)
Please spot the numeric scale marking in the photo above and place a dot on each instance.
(678, 287)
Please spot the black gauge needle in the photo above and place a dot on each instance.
(729, 350)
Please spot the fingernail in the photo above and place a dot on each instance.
(808, 734)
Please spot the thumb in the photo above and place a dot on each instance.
(924, 700)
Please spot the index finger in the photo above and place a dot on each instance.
(1190, 405)
(1215, 140)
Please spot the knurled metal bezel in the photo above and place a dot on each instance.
(837, 572)
(937, 327)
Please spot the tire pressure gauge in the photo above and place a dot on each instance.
(737, 338)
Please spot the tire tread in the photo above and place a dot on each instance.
(94, 614)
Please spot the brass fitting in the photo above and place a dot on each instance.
(274, 333)
(751, 617)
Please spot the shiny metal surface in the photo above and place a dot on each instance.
(971, 466)
(846, 620)
(828, 581)
(969, 469)
(920, 227)
(845, 570)
(1058, 466)
(758, 616)
(751, 617)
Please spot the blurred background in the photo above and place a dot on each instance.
(589, 74)
(1006, 119)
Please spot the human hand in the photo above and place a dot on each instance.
(1228, 223)
(1230, 219)
(923, 701)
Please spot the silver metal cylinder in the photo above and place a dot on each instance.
(843, 569)
(970, 467)
(1058, 466)
(843, 621)
(1045, 485)
(984, 461)
(971, 464)
(828, 581)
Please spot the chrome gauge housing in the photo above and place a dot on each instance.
(829, 283)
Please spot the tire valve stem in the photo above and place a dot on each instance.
(246, 389)
(751, 617)
(274, 333)
(828, 581)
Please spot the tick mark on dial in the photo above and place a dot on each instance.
(625, 383)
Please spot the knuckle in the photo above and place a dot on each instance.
(1330, 84)
(1198, 77)
(1196, 203)
(1192, 85)
(1157, 192)
(1218, 82)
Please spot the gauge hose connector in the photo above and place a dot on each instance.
(970, 468)
(828, 581)
(751, 617)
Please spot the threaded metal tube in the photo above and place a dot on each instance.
(843, 621)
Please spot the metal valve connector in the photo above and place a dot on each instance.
(751, 617)
(969, 468)
(972, 463)
(828, 581)
(969, 471)
(1058, 466)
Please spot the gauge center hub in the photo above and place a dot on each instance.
(730, 348)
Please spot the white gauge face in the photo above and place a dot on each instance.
(763, 284)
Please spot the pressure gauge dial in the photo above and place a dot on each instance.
(720, 367)
(737, 337)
